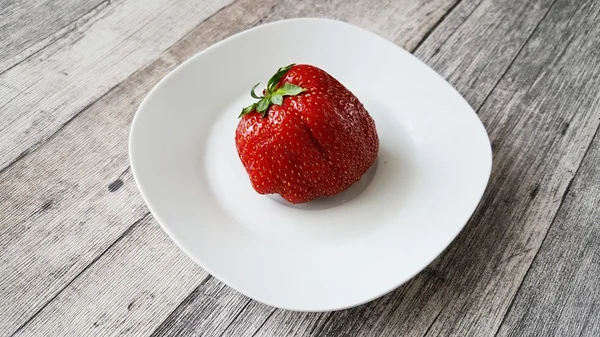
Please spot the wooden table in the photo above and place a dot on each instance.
(82, 256)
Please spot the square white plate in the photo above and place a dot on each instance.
(432, 169)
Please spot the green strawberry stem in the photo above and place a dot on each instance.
(272, 95)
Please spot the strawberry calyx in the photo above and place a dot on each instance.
(272, 94)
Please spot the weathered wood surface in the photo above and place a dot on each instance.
(28, 27)
(81, 256)
(90, 306)
(560, 295)
(96, 52)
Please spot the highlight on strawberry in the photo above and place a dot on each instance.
(306, 137)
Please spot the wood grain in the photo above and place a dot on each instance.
(217, 307)
(44, 92)
(532, 77)
(63, 205)
(29, 26)
(70, 199)
(477, 42)
(561, 293)
(153, 276)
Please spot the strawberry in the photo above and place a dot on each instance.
(308, 136)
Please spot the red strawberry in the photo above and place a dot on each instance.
(307, 137)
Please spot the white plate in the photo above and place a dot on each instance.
(433, 167)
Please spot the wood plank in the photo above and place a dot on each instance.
(228, 313)
(152, 274)
(217, 305)
(65, 204)
(29, 26)
(541, 116)
(69, 200)
(476, 43)
(561, 293)
(47, 90)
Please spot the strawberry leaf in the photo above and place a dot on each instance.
(262, 105)
(247, 110)
(272, 96)
(277, 99)
(289, 89)
(278, 76)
